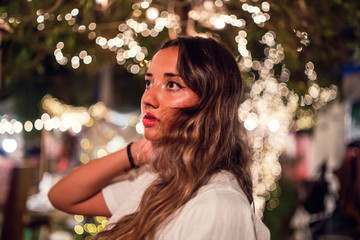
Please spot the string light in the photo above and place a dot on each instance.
(152, 13)
(120, 44)
(265, 115)
(59, 116)
(9, 145)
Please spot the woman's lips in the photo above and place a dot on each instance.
(149, 119)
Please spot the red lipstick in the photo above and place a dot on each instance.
(149, 119)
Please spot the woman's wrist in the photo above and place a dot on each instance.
(141, 152)
(130, 156)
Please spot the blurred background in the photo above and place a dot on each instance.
(71, 79)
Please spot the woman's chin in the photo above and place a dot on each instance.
(151, 135)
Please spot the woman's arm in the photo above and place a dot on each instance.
(80, 191)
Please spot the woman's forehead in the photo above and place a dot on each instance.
(164, 60)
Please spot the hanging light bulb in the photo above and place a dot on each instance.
(152, 13)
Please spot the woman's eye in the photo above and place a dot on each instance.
(174, 85)
(147, 83)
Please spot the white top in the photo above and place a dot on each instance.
(220, 209)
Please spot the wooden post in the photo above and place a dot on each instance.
(15, 206)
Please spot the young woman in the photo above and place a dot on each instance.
(194, 181)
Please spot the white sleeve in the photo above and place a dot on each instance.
(117, 193)
(216, 215)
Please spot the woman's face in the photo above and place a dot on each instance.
(165, 92)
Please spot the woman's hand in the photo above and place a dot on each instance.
(142, 152)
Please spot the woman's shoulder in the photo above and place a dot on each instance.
(221, 197)
(219, 210)
(223, 186)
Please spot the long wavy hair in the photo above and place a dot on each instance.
(202, 140)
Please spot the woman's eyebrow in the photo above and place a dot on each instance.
(171, 75)
(165, 74)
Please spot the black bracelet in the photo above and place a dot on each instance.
(130, 157)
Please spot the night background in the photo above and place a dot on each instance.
(72, 78)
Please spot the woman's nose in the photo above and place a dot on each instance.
(150, 97)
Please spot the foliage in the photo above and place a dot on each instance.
(29, 68)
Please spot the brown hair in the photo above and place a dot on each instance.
(203, 140)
